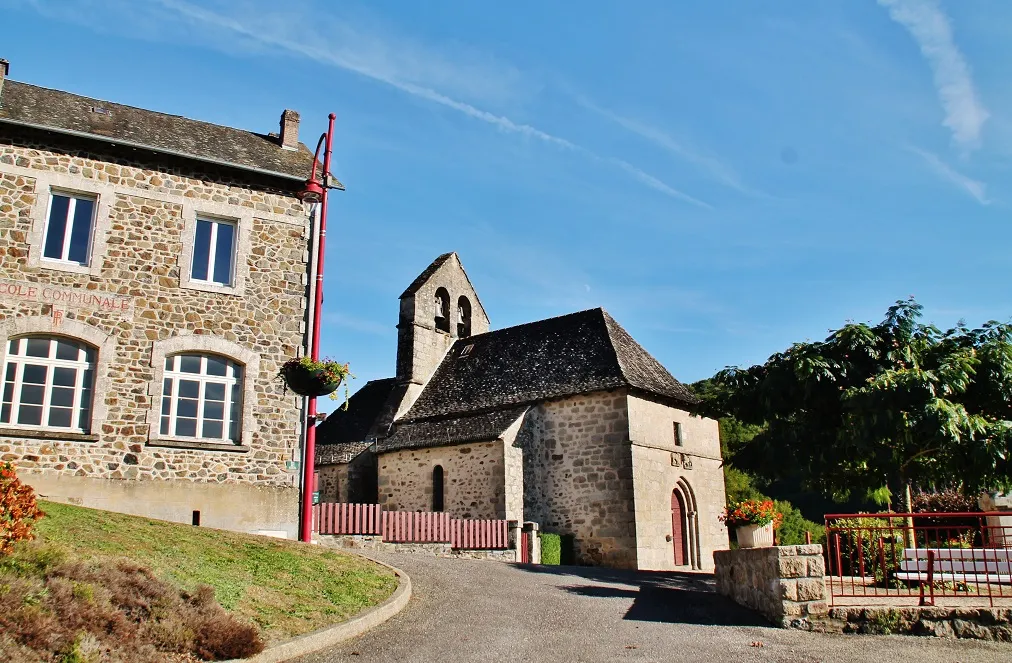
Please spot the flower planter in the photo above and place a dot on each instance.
(308, 382)
(755, 536)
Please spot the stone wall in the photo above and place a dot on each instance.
(578, 475)
(971, 623)
(786, 584)
(473, 479)
(661, 467)
(375, 542)
(138, 253)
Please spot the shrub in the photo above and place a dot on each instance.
(18, 509)
(793, 526)
(551, 548)
(110, 610)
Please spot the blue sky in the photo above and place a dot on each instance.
(724, 178)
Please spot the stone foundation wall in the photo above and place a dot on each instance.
(786, 584)
(970, 623)
(578, 475)
(365, 542)
(240, 507)
(473, 479)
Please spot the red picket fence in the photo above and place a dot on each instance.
(479, 534)
(416, 527)
(410, 526)
(341, 518)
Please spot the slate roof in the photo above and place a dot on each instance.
(63, 112)
(571, 354)
(457, 430)
(354, 424)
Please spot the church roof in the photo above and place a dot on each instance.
(364, 408)
(456, 430)
(564, 356)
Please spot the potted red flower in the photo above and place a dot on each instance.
(754, 522)
(313, 378)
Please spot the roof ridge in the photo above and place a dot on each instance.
(535, 322)
(135, 108)
(426, 273)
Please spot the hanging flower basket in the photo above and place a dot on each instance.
(312, 378)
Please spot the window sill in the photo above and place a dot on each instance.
(48, 434)
(176, 443)
(60, 266)
(206, 286)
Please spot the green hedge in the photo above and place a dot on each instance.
(551, 548)
(557, 549)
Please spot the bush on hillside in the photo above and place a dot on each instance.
(111, 611)
(18, 509)
(794, 525)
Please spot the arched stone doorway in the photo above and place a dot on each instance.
(679, 533)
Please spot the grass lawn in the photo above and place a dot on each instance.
(286, 588)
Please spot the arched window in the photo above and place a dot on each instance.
(201, 397)
(48, 383)
(437, 488)
(442, 304)
(463, 317)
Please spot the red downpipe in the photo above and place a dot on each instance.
(309, 458)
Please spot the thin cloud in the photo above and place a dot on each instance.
(971, 186)
(654, 183)
(718, 170)
(322, 52)
(965, 115)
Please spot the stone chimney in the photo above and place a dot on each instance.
(290, 130)
(5, 68)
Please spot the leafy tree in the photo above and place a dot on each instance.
(874, 409)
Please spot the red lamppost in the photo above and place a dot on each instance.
(314, 192)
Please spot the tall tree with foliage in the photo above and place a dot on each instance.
(875, 409)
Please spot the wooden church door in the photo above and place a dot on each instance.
(678, 538)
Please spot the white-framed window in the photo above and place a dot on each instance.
(48, 384)
(201, 397)
(214, 242)
(70, 220)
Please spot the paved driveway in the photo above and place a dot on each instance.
(469, 610)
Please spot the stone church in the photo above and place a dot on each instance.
(567, 422)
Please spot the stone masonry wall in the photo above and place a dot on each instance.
(786, 584)
(661, 467)
(473, 479)
(147, 213)
(578, 475)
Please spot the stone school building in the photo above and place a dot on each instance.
(153, 279)
(567, 422)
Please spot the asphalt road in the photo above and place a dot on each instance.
(469, 610)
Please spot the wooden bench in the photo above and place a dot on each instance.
(975, 565)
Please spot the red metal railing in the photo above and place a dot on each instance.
(966, 556)
(410, 526)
